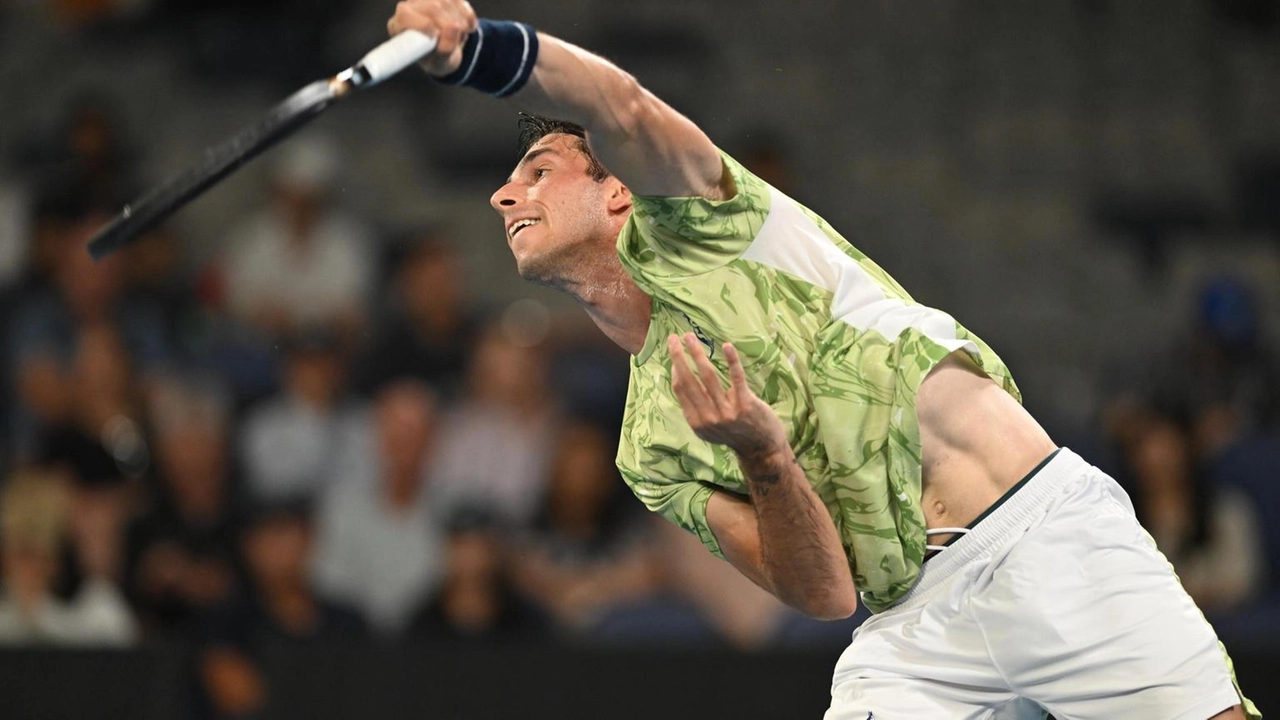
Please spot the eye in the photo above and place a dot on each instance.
(540, 172)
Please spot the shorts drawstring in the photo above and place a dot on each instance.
(943, 531)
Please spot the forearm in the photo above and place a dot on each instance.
(800, 551)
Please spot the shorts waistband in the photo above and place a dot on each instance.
(1011, 516)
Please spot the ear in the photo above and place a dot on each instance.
(619, 199)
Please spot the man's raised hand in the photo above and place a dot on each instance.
(448, 21)
(735, 417)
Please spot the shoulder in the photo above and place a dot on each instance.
(681, 236)
(744, 197)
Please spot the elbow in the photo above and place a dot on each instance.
(829, 606)
(833, 611)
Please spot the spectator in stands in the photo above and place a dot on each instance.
(35, 519)
(102, 448)
(380, 547)
(84, 153)
(155, 277)
(58, 181)
(477, 603)
(183, 547)
(428, 330)
(55, 210)
(92, 153)
(587, 552)
(100, 441)
(303, 260)
(294, 443)
(1210, 534)
(84, 305)
(507, 405)
(1223, 376)
(282, 609)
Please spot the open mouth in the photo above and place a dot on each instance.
(519, 225)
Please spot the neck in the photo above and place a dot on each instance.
(613, 301)
(402, 491)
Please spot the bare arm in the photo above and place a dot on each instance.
(783, 539)
(650, 147)
(653, 149)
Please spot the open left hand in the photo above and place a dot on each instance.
(734, 417)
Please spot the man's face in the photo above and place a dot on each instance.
(554, 213)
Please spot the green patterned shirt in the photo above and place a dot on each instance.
(827, 338)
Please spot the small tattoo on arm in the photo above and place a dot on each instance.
(764, 481)
(764, 475)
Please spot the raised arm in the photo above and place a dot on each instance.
(650, 147)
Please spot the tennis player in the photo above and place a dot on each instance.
(794, 408)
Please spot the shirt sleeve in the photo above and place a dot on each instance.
(683, 503)
(684, 236)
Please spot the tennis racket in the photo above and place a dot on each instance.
(280, 122)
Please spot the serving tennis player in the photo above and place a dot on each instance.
(793, 407)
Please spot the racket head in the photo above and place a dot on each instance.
(150, 209)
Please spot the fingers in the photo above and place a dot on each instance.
(686, 385)
(449, 21)
(737, 376)
(701, 388)
(469, 16)
(406, 18)
(707, 374)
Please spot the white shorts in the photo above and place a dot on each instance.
(1057, 601)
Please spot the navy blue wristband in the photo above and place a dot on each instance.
(497, 58)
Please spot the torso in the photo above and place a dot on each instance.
(976, 443)
(844, 357)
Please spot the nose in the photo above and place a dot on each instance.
(505, 197)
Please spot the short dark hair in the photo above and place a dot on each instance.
(535, 127)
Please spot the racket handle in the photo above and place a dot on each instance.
(395, 55)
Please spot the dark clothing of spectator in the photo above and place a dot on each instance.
(399, 351)
(208, 547)
(249, 626)
(515, 620)
(84, 456)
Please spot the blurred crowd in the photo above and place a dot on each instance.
(321, 434)
(1193, 438)
(315, 436)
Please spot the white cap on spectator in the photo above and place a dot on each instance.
(308, 164)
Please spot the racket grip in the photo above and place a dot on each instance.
(395, 55)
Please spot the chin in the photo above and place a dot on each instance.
(538, 271)
(522, 255)
(528, 268)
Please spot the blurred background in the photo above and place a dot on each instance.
(313, 450)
